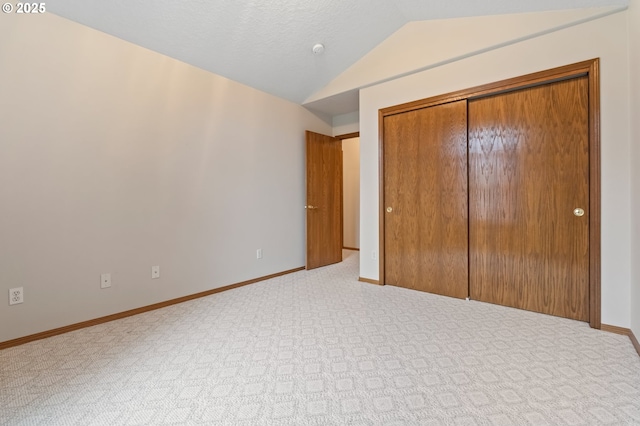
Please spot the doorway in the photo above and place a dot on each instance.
(351, 191)
(325, 210)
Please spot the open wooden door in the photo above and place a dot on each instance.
(324, 200)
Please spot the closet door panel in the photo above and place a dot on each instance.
(529, 199)
(425, 199)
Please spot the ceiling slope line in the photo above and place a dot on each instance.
(348, 95)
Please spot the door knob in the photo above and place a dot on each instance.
(311, 207)
(389, 209)
(578, 212)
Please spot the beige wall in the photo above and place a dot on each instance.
(351, 190)
(634, 56)
(606, 38)
(447, 40)
(346, 123)
(115, 158)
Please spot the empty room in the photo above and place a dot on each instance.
(320, 213)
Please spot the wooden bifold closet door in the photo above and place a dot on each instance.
(425, 192)
(488, 197)
(529, 199)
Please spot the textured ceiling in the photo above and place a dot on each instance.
(267, 44)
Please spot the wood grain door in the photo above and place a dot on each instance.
(425, 199)
(528, 172)
(324, 200)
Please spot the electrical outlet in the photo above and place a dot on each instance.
(259, 254)
(105, 280)
(16, 295)
(155, 272)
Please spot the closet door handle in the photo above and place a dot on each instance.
(389, 209)
(578, 212)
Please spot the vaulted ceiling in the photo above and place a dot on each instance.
(267, 44)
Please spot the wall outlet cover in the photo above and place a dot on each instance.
(16, 295)
(105, 280)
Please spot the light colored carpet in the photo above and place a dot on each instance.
(319, 348)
